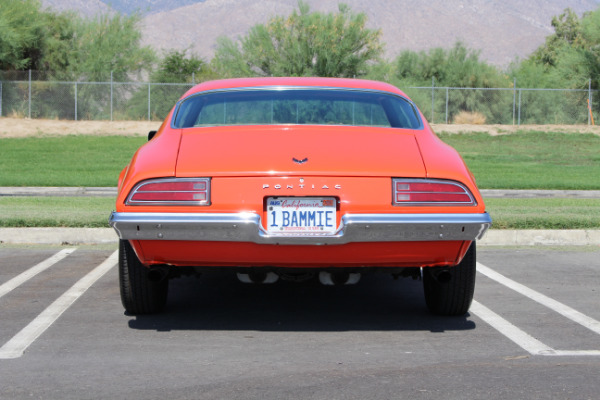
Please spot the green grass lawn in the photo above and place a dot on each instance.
(526, 160)
(506, 213)
(544, 213)
(65, 161)
(531, 160)
(89, 212)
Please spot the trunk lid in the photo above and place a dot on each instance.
(298, 150)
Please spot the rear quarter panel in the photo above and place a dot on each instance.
(443, 162)
(155, 159)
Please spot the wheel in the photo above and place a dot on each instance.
(139, 294)
(449, 290)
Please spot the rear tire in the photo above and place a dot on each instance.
(139, 294)
(449, 290)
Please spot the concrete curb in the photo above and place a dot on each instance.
(77, 236)
(541, 237)
(58, 236)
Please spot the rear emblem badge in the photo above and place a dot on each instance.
(300, 161)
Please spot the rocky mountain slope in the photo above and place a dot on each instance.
(501, 29)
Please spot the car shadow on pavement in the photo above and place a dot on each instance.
(218, 301)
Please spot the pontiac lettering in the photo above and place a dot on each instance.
(300, 186)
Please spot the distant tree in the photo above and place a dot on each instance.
(566, 26)
(591, 43)
(303, 44)
(58, 47)
(33, 39)
(66, 47)
(70, 46)
(21, 34)
(458, 67)
(106, 44)
(567, 32)
(570, 57)
(175, 67)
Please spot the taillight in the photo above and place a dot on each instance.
(171, 191)
(430, 192)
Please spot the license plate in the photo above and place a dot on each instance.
(301, 215)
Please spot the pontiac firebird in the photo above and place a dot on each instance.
(297, 178)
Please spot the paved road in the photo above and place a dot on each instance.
(533, 332)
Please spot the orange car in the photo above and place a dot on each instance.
(297, 178)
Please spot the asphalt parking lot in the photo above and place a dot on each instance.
(532, 332)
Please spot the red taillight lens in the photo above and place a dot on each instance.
(430, 192)
(184, 191)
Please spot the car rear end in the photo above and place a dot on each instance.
(282, 196)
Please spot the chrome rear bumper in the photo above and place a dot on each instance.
(247, 227)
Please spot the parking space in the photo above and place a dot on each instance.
(64, 334)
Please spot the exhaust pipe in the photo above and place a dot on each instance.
(338, 278)
(444, 276)
(258, 277)
(157, 274)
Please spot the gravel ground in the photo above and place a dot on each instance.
(23, 127)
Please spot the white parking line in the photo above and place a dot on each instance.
(544, 300)
(15, 347)
(18, 280)
(573, 353)
(522, 338)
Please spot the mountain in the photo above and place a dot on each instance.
(148, 6)
(501, 29)
(93, 7)
(86, 8)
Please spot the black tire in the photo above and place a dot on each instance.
(139, 295)
(449, 290)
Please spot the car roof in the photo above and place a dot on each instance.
(294, 82)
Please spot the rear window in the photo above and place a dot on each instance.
(276, 106)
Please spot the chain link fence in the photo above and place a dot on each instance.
(514, 106)
(32, 95)
(32, 98)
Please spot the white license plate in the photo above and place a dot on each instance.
(301, 215)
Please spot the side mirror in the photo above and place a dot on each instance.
(151, 135)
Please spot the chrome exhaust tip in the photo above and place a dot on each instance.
(338, 278)
(258, 277)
